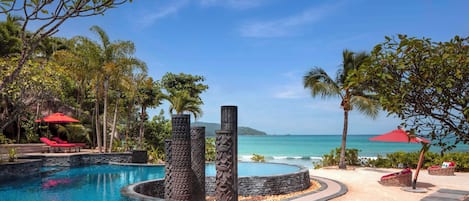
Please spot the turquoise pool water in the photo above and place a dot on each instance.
(103, 182)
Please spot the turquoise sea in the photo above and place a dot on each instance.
(304, 149)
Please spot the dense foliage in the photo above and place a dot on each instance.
(101, 83)
(210, 151)
(333, 158)
(183, 92)
(45, 17)
(424, 83)
(393, 160)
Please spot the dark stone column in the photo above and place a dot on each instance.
(198, 163)
(167, 170)
(224, 164)
(229, 122)
(181, 178)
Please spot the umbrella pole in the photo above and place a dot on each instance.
(419, 165)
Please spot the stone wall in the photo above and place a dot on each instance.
(87, 159)
(20, 168)
(146, 190)
(267, 185)
(248, 186)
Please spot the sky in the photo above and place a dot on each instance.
(254, 53)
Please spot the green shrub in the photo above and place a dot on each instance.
(331, 159)
(410, 159)
(257, 158)
(156, 155)
(380, 162)
(12, 155)
(210, 152)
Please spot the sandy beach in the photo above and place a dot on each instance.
(362, 184)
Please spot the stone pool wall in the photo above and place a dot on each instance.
(20, 168)
(267, 185)
(86, 159)
(247, 186)
(30, 165)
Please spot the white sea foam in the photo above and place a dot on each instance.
(279, 157)
(315, 158)
(245, 157)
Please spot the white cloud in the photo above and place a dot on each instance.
(291, 92)
(286, 26)
(235, 4)
(293, 89)
(329, 105)
(164, 11)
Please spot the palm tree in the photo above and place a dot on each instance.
(116, 61)
(347, 88)
(10, 41)
(181, 101)
(148, 95)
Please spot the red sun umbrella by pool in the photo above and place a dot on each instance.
(400, 135)
(57, 118)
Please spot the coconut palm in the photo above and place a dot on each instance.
(116, 61)
(347, 88)
(181, 101)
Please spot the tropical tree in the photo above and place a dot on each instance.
(116, 62)
(46, 17)
(346, 87)
(10, 42)
(181, 101)
(425, 84)
(183, 92)
(149, 95)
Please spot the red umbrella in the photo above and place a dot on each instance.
(400, 135)
(57, 118)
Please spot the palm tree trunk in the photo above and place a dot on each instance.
(98, 133)
(113, 126)
(342, 164)
(105, 116)
(142, 121)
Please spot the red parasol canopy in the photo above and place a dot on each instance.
(57, 118)
(398, 135)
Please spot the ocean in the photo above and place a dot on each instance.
(306, 149)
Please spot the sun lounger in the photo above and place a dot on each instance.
(402, 178)
(446, 169)
(56, 147)
(60, 141)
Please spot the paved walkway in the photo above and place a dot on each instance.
(329, 189)
(447, 195)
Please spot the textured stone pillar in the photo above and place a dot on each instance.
(181, 173)
(224, 164)
(198, 163)
(167, 170)
(229, 122)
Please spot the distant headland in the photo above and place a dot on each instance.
(210, 129)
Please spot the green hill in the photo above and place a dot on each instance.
(210, 129)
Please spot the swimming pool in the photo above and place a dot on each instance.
(103, 182)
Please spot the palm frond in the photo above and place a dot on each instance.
(320, 83)
(368, 106)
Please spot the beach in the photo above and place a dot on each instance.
(362, 184)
